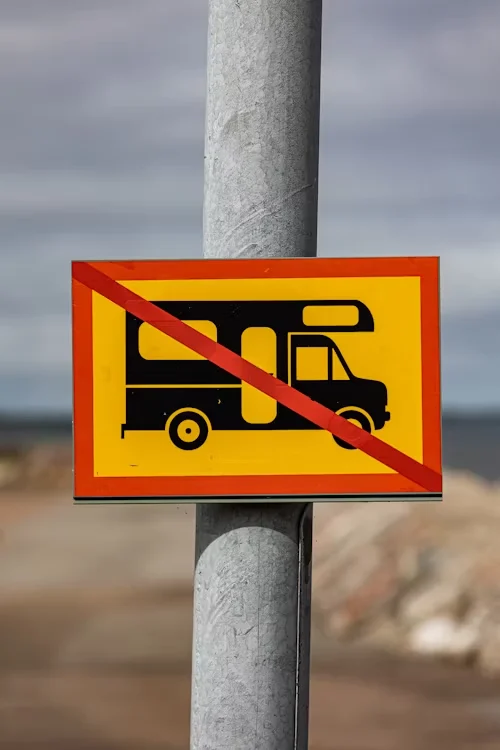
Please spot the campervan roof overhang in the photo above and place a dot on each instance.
(328, 316)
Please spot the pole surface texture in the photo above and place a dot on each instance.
(252, 599)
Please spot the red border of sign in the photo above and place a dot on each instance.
(87, 486)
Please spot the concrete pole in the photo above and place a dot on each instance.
(250, 688)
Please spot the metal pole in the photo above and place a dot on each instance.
(250, 688)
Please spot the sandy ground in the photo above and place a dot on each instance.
(95, 645)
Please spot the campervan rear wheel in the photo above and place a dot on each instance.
(188, 430)
(357, 418)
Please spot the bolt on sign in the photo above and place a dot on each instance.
(257, 379)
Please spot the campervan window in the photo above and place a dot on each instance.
(156, 345)
(312, 362)
(330, 315)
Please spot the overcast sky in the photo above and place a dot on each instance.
(101, 154)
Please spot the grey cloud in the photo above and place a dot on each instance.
(28, 392)
(421, 94)
(472, 361)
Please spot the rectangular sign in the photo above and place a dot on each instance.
(217, 380)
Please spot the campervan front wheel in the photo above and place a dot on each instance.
(357, 418)
(188, 430)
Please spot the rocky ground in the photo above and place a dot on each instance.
(95, 620)
(420, 578)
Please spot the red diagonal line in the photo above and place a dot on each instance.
(219, 355)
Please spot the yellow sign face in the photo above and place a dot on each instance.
(359, 338)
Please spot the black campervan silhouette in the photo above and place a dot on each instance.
(191, 397)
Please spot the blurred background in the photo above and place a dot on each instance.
(101, 156)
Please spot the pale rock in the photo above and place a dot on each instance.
(489, 655)
(440, 598)
(414, 575)
(444, 638)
